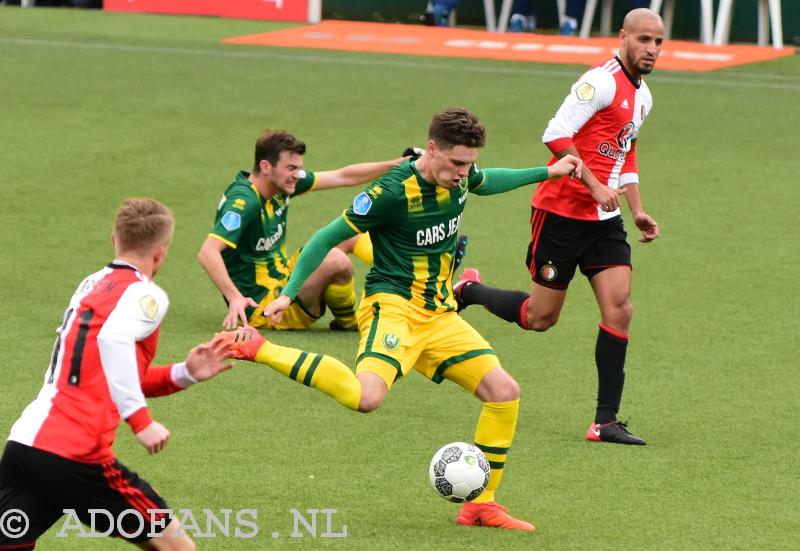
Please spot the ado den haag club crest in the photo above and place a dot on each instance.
(390, 342)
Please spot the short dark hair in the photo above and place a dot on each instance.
(271, 144)
(457, 126)
(142, 223)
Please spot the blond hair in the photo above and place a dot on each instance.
(142, 223)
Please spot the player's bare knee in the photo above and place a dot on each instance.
(626, 311)
(348, 245)
(371, 395)
(340, 266)
(540, 323)
(183, 544)
(172, 538)
(369, 403)
(373, 391)
(170, 542)
(504, 389)
(621, 315)
(510, 391)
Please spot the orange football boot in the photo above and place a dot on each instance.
(490, 514)
(245, 342)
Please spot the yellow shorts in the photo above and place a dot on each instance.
(396, 336)
(295, 317)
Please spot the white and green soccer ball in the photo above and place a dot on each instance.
(459, 472)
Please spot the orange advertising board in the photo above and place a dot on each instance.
(271, 10)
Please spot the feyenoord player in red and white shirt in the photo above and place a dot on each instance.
(58, 455)
(577, 222)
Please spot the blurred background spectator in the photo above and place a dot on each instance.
(574, 14)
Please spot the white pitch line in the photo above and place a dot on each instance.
(750, 80)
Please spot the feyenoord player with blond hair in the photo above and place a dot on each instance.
(407, 319)
(576, 222)
(58, 455)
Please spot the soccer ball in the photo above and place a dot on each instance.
(459, 472)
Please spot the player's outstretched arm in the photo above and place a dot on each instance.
(208, 359)
(500, 180)
(352, 175)
(569, 165)
(310, 258)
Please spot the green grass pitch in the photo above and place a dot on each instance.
(97, 107)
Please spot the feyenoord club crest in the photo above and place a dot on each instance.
(548, 272)
(390, 342)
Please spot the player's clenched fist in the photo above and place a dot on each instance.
(568, 165)
(153, 437)
(275, 309)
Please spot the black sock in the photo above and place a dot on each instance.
(609, 354)
(504, 304)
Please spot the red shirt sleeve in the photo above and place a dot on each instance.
(559, 144)
(139, 420)
(157, 381)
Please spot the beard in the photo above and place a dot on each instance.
(283, 186)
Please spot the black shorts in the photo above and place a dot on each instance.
(42, 485)
(559, 244)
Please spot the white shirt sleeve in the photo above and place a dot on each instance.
(137, 315)
(592, 92)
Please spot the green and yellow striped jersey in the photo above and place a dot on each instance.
(254, 229)
(413, 225)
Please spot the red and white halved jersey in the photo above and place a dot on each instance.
(99, 370)
(601, 117)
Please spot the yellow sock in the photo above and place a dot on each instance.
(362, 250)
(341, 299)
(325, 373)
(493, 436)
